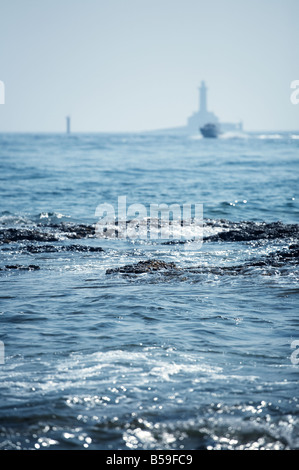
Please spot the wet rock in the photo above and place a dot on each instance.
(273, 260)
(148, 266)
(247, 231)
(16, 235)
(31, 267)
(48, 233)
(58, 249)
(290, 254)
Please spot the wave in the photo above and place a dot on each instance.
(10, 219)
(234, 135)
(270, 136)
(212, 230)
(119, 376)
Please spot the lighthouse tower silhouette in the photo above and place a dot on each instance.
(68, 125)
(202, 98)
(202, 116)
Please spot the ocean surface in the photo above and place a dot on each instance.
(127, 343)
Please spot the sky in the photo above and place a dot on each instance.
(135, 65)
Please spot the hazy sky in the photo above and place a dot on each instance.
(130, 65)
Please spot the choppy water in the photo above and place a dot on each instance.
(127, 344)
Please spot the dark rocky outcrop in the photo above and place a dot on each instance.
(50, 233)
(60, 248)
(248, 231)
(276, 260)
(19, 267)
(148, 266)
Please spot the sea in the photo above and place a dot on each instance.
(112, 342)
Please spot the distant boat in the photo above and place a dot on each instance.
(210, 130)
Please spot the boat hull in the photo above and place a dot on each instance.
(209, 131)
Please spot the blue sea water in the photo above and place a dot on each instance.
(201, 356)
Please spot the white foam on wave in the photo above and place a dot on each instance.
(14, 219)
(52, 215)
(149, 364)
(150, 228)
(234, 135)
(270, 136)
(196, 137)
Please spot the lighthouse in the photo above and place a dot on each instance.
(68, 125)
(202, 116)
(202, 98)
